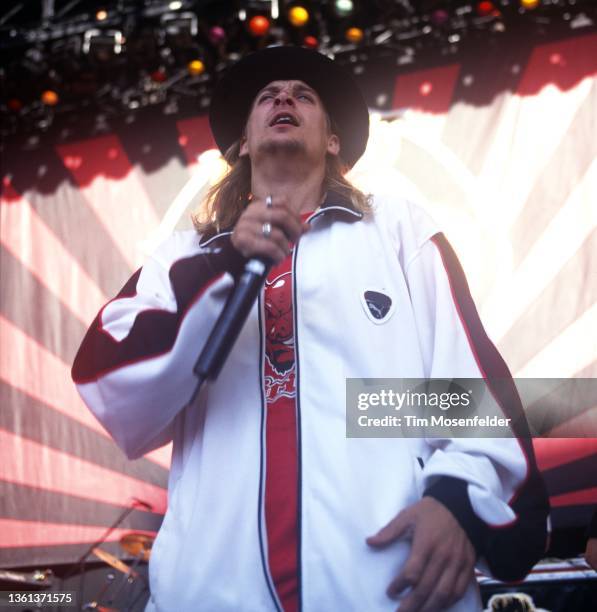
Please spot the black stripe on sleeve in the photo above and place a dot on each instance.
(451, 492)
(510, 550)
(154, 331)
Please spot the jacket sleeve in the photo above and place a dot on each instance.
(492, 486)
(134, 366)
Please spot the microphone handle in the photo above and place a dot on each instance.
(231, 320)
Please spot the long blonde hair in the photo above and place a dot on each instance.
(226, 200)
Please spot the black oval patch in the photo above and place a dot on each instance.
(379, 304)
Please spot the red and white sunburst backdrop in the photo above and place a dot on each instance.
(511, 178)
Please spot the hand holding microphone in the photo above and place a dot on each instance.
(265, 230)
(263, 235)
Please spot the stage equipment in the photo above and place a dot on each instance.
(96, 56)
(10, 579)
(102, 44)
(196, 67)
(354, 35)
(125, 590)
(485, 7)
(298, 16)
(137, 544)
(114, 562)
(259, 25)
(49, 97)
(344, 7)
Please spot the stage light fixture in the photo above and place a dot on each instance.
(344, 7)
(216, 35)
(581, 21)
(49, 97)
(102, 44)
(44, 122)
(383, 36)
(196, 67)
(259, 25)
(485, 8)
(298, 16)
(425, 88)
(381, 99)
(171, 107)
(14, 105)
(68, 46)
(439, 17)
(275, 10)
(35, 61)
(159, 75)
(178, 25)
(407, 56)
(354, 35)
(133, 99)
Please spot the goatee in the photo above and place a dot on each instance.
(281, 147)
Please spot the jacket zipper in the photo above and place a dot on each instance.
(299, 463)
(260, 501)
(261, 520)
(299, 527)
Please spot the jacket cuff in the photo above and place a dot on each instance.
(452, 493)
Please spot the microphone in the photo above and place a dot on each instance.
(231, 320)
(143, 504)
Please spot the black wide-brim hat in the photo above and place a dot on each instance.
(341, 96)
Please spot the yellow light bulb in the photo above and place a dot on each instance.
(196, 67)
(49, 97)
(298, 16)
(354, 35)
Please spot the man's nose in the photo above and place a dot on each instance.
(284, 97)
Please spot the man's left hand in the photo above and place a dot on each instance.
(440, 566)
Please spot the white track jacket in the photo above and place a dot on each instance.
(134, 371)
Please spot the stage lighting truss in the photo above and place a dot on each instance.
(110, 64)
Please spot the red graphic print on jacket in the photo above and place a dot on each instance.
(281, 448)
(279, 337)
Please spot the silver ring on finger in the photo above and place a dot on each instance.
(266, 229)
(269, 202)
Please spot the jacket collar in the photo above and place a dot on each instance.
(334, 203)
(337, 203)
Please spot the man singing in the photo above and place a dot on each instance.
(271, 506)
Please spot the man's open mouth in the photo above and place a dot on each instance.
(284, 119)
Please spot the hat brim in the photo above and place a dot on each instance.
(341, 96)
